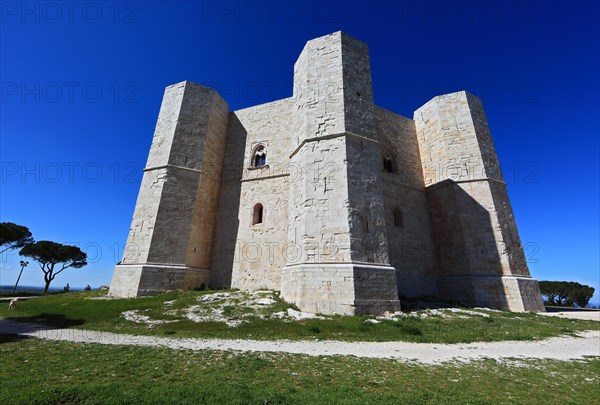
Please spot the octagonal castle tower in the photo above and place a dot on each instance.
(341, 205)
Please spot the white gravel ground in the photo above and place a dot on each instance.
(584, 315)
(561, 348)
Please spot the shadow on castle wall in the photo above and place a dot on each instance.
(227, 224)
(469, 261)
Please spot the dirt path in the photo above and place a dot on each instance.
(561, 348)
(583, 315)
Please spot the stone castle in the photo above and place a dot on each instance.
(343, 206)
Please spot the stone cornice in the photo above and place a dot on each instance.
(332, 136)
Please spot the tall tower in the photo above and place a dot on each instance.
(337, 257)
(480, 257)
(169, 242)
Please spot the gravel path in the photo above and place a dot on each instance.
(560, 348)
(584, 315)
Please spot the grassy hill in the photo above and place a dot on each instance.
(7, 290)
(46, 372)
(263, 315)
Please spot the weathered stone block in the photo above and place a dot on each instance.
(340, 288)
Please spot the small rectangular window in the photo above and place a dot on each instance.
(398, 218)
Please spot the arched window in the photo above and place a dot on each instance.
(398, 218)
(257, 214)
(389, 162)
(259, 156)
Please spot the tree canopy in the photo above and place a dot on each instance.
(566, 293)
(13, 236)
(49, 254)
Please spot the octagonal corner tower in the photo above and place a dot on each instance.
(168, 247)
(336, 213)
(480, 257)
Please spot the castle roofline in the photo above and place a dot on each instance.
(450, 96)
(265, 104)
(341, 34)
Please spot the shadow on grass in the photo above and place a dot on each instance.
(55, 320)
(570, 309)
(12, 338)
(7, 295)
(426, 302)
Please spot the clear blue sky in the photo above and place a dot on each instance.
(82, 84)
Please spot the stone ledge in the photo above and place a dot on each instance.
(136, 280)
(169, 166)
(376, 307)
(331, 136)
(341, 288)
(507, 292)
(450, 182)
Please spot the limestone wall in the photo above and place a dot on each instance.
(336, 198)
(336, 211)
(251, 256)
(368, 237)
(411, 248)
(172, 227)
(207, 194)
(318, 203)
(477, 243)
(448, 142)
(318, 93)
(339, 234)
(185, 220)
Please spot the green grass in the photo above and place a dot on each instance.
(35, 371)
(82, 310)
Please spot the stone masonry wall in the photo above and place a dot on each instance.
(251, 256)
(477, 244)
(174, 217)
(411, 248)
(339, 234)
(336, 212)
(368, 238)
(189, 204)
(318, 94)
